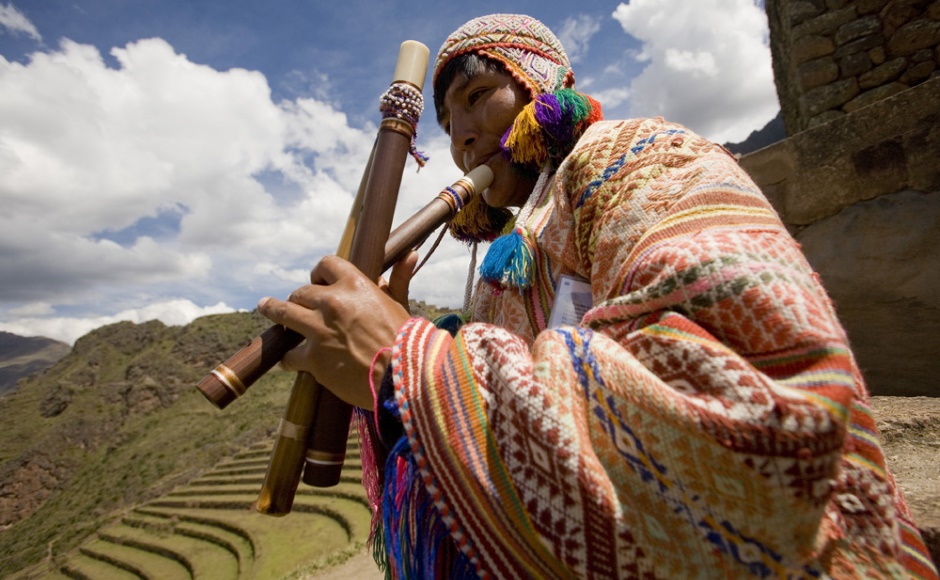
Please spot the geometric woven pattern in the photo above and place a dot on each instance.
(706, 419)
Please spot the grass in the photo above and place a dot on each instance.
(202, 530)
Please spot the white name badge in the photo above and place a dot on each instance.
(572, 299)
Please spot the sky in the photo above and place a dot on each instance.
(169, 159)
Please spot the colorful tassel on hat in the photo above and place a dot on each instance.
(549, 126)
(508, 263)
(523, 140)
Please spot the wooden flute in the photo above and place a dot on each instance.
(316, 421)
(292, 452)
(312, 434)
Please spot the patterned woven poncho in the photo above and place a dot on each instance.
(707, 419)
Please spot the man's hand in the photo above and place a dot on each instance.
(346, 319)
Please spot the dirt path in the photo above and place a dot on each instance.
(910, 434)
(360, 566)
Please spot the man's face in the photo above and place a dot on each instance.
(476, 113)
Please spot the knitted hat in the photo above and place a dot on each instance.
(547, 128)
(525, 46)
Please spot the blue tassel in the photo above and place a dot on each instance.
(508, 262)
(450, 322)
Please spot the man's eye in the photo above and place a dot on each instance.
(474, 96)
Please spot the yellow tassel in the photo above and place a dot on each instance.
(524, 140)
(478, 222)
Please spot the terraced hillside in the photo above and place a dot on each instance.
(209, 529)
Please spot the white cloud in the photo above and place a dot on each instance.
(575, 35)
(17, 23)
(258, 191)
(33, 309)
(68, 329)
(708, 64)
(613, 97)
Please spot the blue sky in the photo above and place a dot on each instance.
(172, 159)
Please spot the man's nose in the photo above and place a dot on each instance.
(462, 133)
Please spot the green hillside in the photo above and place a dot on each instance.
(113, 450)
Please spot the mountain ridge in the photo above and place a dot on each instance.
(22, 356)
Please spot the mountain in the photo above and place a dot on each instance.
(116, 422)
(22, 356)
(772, 132)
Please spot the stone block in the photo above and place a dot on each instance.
(829, 96)
(865, 26)
(869, 6)
(877, 55)
(898, 114)
(933, 11)
(882, 74)
(800, 10)
(874, 95)
(773, 170)
(922, 148)
(824, 24)
(922, 55)
(865, 43)
(812, 47)
(829, 184)
(771, 165)
(914, 36)
(918, 73)
(900, 12)
(825, 117)
(880, 168)
(815, 73)
(854, 65)
(880, 263)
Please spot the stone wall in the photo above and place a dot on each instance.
(861, 193)
(832, 57)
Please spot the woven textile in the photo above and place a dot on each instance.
(707, 419)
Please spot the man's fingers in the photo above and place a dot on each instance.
(272, 309)
(330, 269)
(295, 359)
(400, 278)
(294, 315)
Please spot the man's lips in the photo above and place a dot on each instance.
(483, 160)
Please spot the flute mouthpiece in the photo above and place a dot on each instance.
(480, 178)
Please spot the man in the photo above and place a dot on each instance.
(706, 418)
